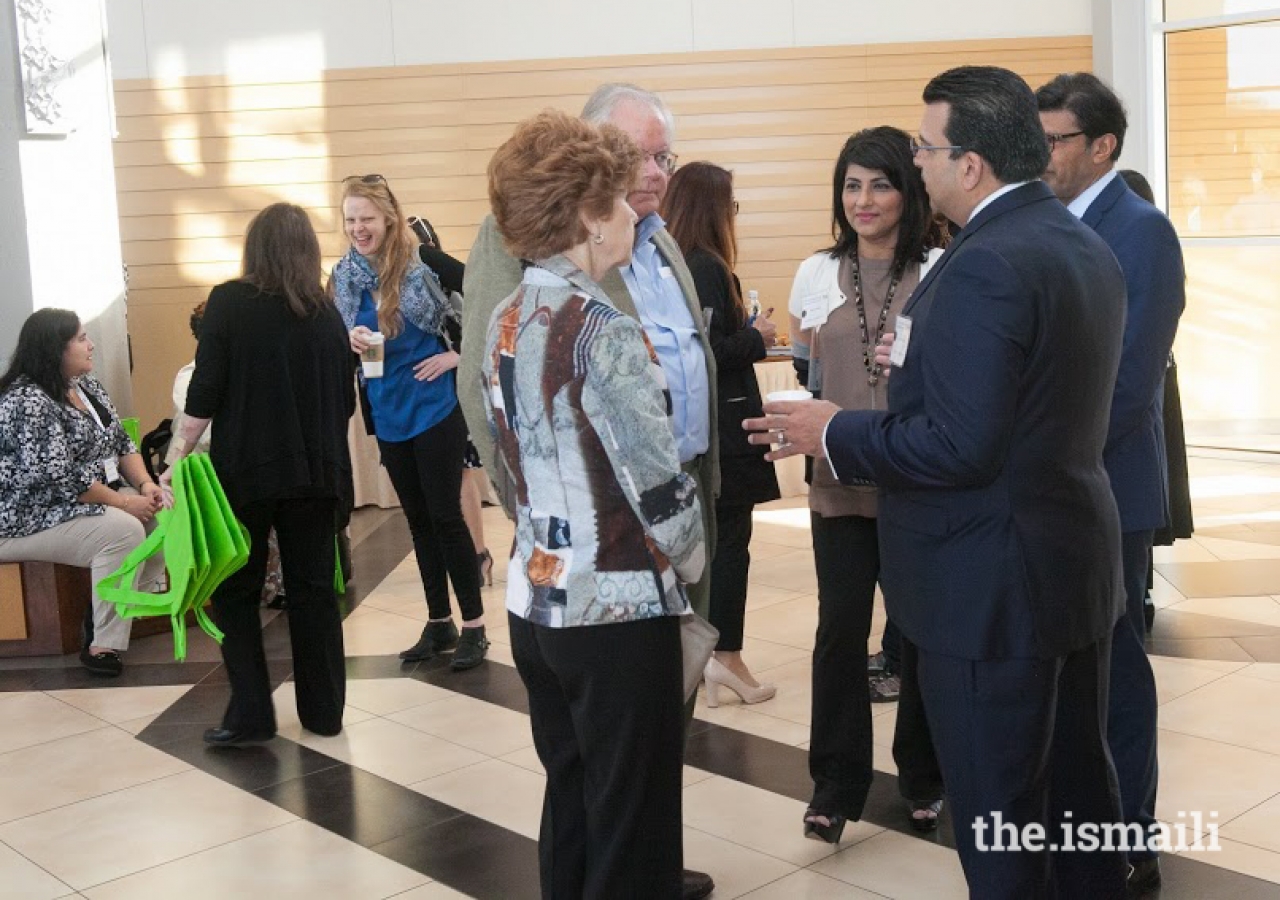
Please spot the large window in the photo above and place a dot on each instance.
(1221, 64)
(1183, 10)
(1224, 130)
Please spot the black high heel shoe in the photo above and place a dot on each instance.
(484, 561)
(924, 816)
(816, 831)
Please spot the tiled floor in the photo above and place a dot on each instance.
(433, 789)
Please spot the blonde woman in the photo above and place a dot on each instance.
(381, 285)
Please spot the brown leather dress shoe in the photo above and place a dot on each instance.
(695, 885)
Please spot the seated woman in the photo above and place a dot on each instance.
(181, 382)
(607, 526)
(73, 488)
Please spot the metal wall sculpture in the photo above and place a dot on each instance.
(44, 73)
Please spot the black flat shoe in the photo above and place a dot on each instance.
(225, 737)
(695, 885)
(1144, 878)
(816, 831)
(107, 663)
(472, 646)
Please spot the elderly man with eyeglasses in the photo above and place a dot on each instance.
(656, 289)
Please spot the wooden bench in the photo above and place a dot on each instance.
(42, 609)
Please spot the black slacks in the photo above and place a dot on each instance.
(305, 533)
(426, 472)
(846, 551)
(1133, 705)
(729, 569)
(605, 703)
(919, 774)
(1023, 742)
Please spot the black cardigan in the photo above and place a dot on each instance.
(280, 391)
(746, 476)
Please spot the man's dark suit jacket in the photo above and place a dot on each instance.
(998, 531)
(1150, 257)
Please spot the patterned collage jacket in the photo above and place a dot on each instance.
(607, 526)
(50, 453)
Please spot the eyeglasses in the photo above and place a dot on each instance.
(666, 160)
(918, 145)
(365, 179)
(1054, 139)
(735, 207)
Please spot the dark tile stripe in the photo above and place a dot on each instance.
(471, 855)
(464, 852)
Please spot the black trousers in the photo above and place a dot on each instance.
(305, 533)
(605, 703)
(1131, 720)
(846, 551)
(1025, 740)
(729, 569)
(891, 647)
(427, 475)
(919, 774)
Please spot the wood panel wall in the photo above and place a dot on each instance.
(197, 158)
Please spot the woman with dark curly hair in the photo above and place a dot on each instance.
(608, 529)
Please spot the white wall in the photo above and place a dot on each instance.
(61, 234)
(284, 38)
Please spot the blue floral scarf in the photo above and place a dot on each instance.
(422, 300)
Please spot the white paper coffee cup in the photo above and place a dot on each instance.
(795, 396)
(373, 355)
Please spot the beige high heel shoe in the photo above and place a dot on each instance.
(716, 675)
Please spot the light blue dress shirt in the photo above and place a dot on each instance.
(676, 338)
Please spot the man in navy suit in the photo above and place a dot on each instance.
(1085, 124)
(999, 537)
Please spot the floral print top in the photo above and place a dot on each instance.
(607, 525)
(50, 453)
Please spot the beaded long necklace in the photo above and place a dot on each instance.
(868, 346)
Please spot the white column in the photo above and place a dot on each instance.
(60, 235)
(1122, 58)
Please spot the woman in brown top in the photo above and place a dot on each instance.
(843, 300)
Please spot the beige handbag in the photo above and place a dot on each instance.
(698, 639)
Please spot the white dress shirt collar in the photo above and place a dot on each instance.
(993, 197)
(1081, 204)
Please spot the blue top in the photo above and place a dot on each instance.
(404, 407)
(675, 337)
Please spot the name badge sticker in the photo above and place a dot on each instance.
(814, 311)
(901, 340)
